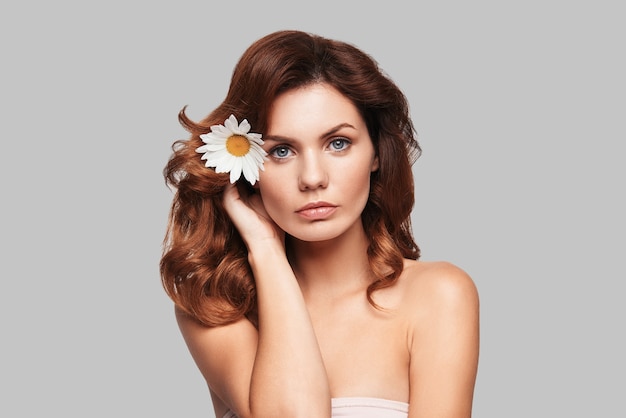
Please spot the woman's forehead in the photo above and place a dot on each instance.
(320, 107)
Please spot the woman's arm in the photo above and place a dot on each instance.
(225, 357)
(444, 343)
(288, 369)
(277, 370)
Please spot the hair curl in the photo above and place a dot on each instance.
(204, 266)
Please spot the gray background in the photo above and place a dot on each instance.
(520, 109)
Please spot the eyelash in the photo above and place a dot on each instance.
(344, 143)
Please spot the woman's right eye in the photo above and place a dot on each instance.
(280, 152)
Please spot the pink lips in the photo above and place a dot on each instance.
(317, 210)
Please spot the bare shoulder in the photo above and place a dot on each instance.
(440, 303)
(437, 284)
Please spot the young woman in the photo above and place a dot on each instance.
(289, 253)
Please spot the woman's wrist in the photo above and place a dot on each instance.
(266, 253)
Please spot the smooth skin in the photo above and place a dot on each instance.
(318, 337)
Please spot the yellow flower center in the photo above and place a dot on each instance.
(237, 145)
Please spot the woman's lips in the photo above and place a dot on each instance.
(317, 210)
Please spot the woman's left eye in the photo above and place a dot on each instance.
(339, 144)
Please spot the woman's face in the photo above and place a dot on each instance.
(317, 179)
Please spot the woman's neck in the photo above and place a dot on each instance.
(334, 267)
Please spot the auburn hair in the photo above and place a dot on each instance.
(204, 266)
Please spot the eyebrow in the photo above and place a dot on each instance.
(328, 133)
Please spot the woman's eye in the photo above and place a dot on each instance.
(339, 144)
(280, 152)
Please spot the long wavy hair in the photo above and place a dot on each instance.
(204, 266)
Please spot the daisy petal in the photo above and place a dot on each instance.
(219, 160)
(231, 124)
(250, 171)
(257, 155)
(255, 138)
(244, 127)
(235, 171)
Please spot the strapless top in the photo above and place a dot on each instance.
(368, 408)
(362, 408)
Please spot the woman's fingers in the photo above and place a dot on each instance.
(249, 215)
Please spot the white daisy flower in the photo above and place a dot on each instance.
(232, 148)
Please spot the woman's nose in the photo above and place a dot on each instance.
(312, 173)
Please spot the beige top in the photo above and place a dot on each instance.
(362, 408)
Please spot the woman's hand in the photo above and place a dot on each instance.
(250, 217)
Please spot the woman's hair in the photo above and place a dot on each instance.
(204, 266)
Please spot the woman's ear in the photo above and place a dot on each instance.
(375, 164)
